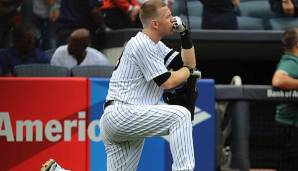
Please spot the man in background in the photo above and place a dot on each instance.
(46, 13)
(286, 78)
(77, 52)
(284, 8)
(219, 14)
(143, 72)
(121, 14)
(75, 14)
(9, 16)
(23, 50)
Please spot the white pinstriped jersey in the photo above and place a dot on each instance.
(124, 126)
(142, 60)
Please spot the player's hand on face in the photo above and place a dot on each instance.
(178, 25)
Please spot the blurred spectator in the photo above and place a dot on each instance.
(23, 51)
(75, 14)
(286, 77)
(284, 8)
(169, 3)
(9, 16)
(46, 12)
(219, 14)
(77, 52)
(121, 14)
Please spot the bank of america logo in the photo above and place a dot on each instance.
(52, 130)
(38, 131)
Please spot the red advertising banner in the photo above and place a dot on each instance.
(43, 118)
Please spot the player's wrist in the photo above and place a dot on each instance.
(186, 41)
(180, 27)
(190, 69)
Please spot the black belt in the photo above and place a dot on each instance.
(108, 103)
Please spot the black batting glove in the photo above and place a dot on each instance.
(180, 27)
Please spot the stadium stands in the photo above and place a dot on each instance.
(254, 15)
(40, 70)
(194, 21)
(195, 8)
(250, 23)
(263, 139)
(92, 71)
(283, 23)
(251, 52)
(50, 52)
(257, 8)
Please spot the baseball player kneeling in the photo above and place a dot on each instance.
(145, 69)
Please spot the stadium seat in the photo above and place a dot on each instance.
(179, 8)
(250, 23)
(41, 70)
(195, 8)
(257, 8)
(195, 21)
(283, 23)
(92, 71)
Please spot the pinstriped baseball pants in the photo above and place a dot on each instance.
(124, 127)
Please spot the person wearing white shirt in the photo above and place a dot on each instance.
(77, 52)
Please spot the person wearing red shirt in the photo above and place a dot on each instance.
(119, 14)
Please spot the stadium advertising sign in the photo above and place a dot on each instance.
(52, 130)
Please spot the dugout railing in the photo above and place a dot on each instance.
(254, 134)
